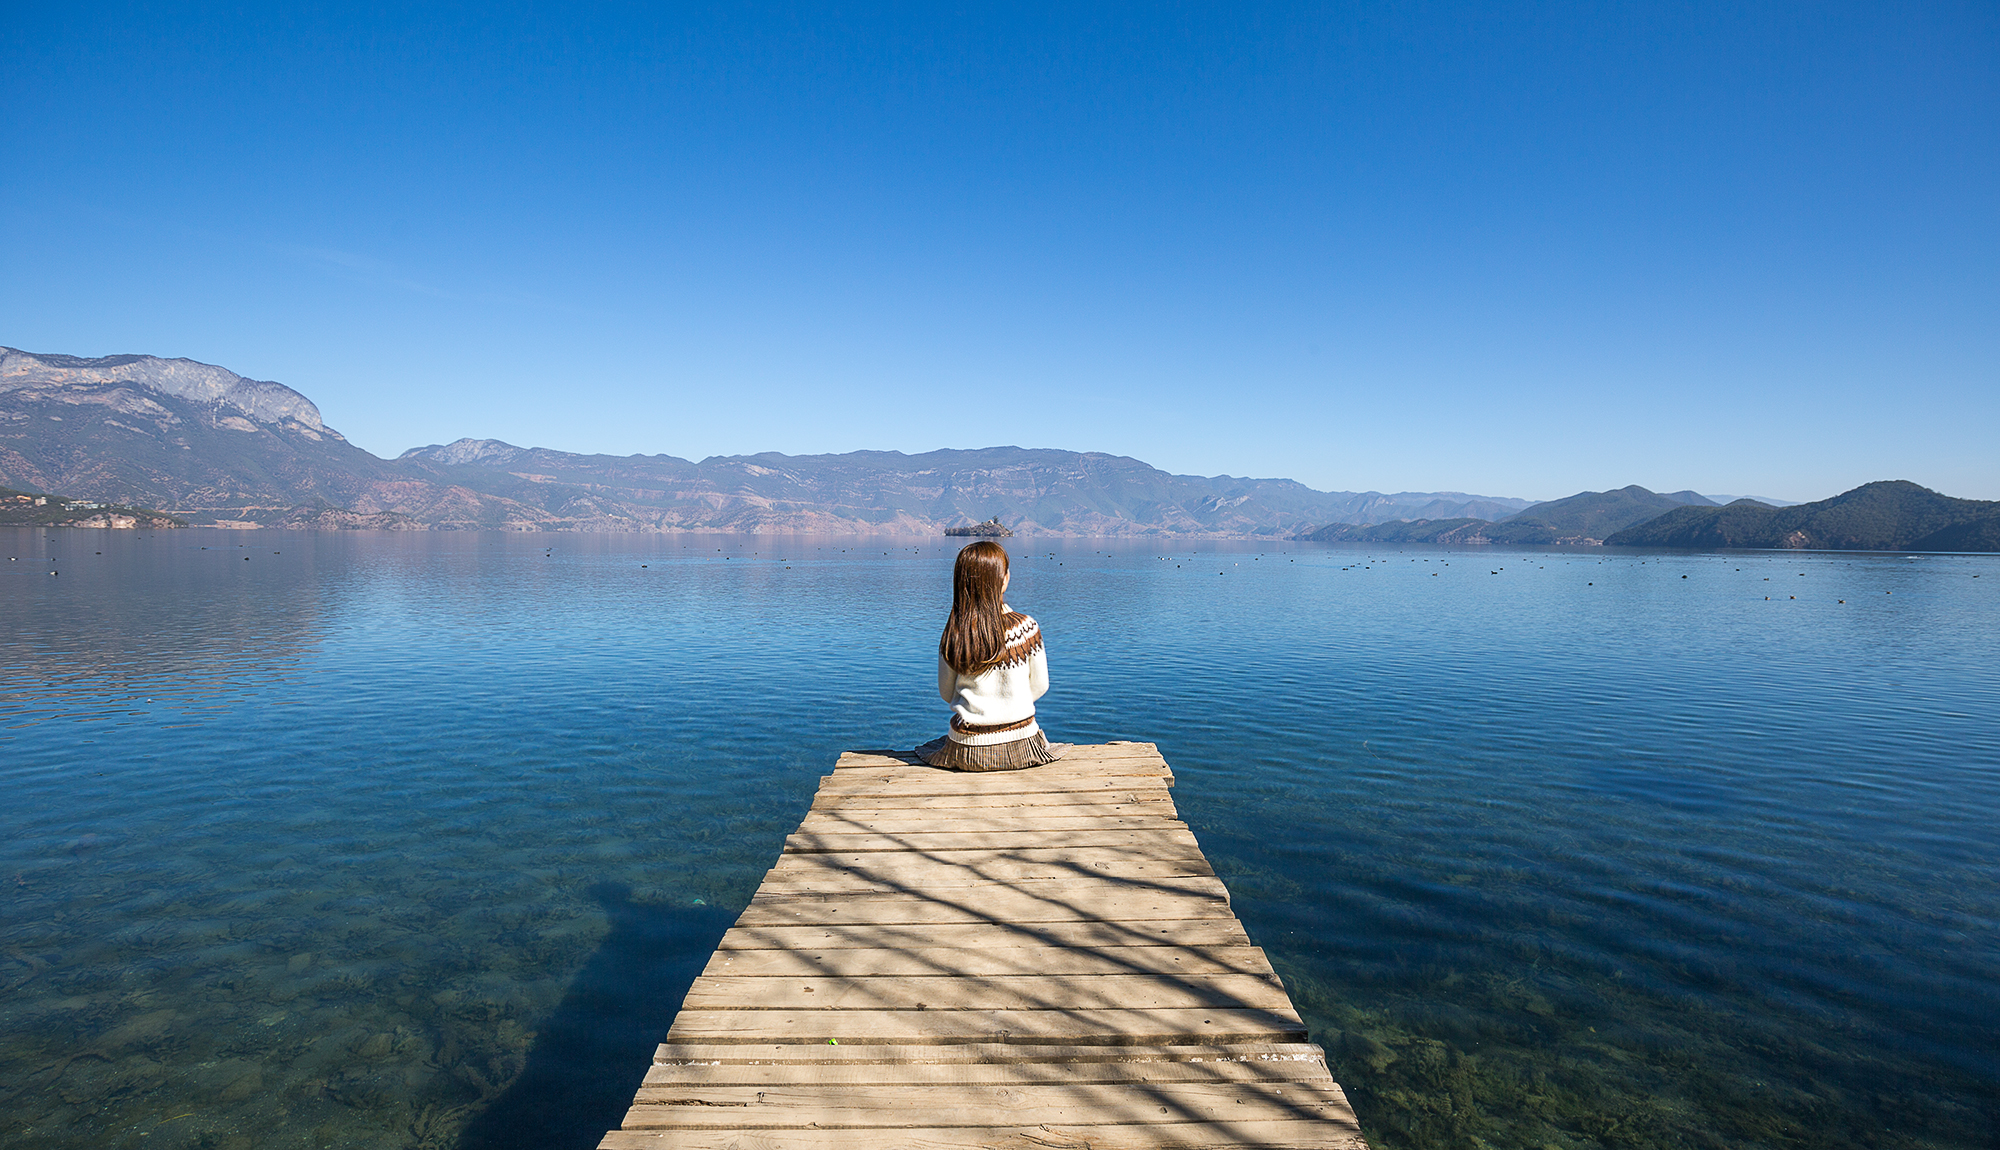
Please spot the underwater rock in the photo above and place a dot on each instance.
(140, 1074)
(299, 962)
(510, 1035)
(245, 1084)
(85, 1081)
(364, 1089)
(377, 1047)
(141, 1031)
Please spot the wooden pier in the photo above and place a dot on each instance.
(1032, 959)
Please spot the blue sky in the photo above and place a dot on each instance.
(1514, 250)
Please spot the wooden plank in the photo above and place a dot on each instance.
(1091, 816)
(1218, 930)
(1205, 1025)
(966, 886)
(919, 822)
(871, 791)
(1066, 1072)
(1130, 773)
(970, 888)
(1177, 841)
(1133, 801)
(987, 992)
(961, 1054)
(989, 866)
(1111, 749)
(890, 1106)
(866, 784)
(981, 851)
(921, 811)
(908, 800)
(1104, 900)
(904, 814)
(983, 961)
(1149, 766)
(1315, 1134)
(1078, 753)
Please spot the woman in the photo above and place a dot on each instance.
(991, 669)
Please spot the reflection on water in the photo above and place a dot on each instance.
(106, 619)
(415, 840)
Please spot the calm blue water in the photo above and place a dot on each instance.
(416, 840)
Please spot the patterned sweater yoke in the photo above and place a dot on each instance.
(1023, 639)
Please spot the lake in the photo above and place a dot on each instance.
(416, 839)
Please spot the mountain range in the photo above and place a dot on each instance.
(207, 444)
(204, 444)
(1584, 518)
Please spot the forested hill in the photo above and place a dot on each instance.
(1892, 515)
(1596, 514)
(1584, 518)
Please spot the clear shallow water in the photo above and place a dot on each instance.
(416, 840)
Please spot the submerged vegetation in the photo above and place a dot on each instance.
(1524, 1042)
(303, 1009)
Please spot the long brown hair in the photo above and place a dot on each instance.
(976, 634)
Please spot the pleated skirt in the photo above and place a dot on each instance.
(1016, 755)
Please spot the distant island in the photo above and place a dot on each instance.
(26, 509)
(991, 529)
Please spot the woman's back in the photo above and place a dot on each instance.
(992, 666)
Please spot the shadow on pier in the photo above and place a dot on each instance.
(1038, 957)
(590, 1055)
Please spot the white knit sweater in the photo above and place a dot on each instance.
(1002, 695)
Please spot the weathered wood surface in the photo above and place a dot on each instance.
(1032, 959)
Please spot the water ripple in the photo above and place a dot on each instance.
(409, 840)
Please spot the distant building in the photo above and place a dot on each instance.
(991, 529)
